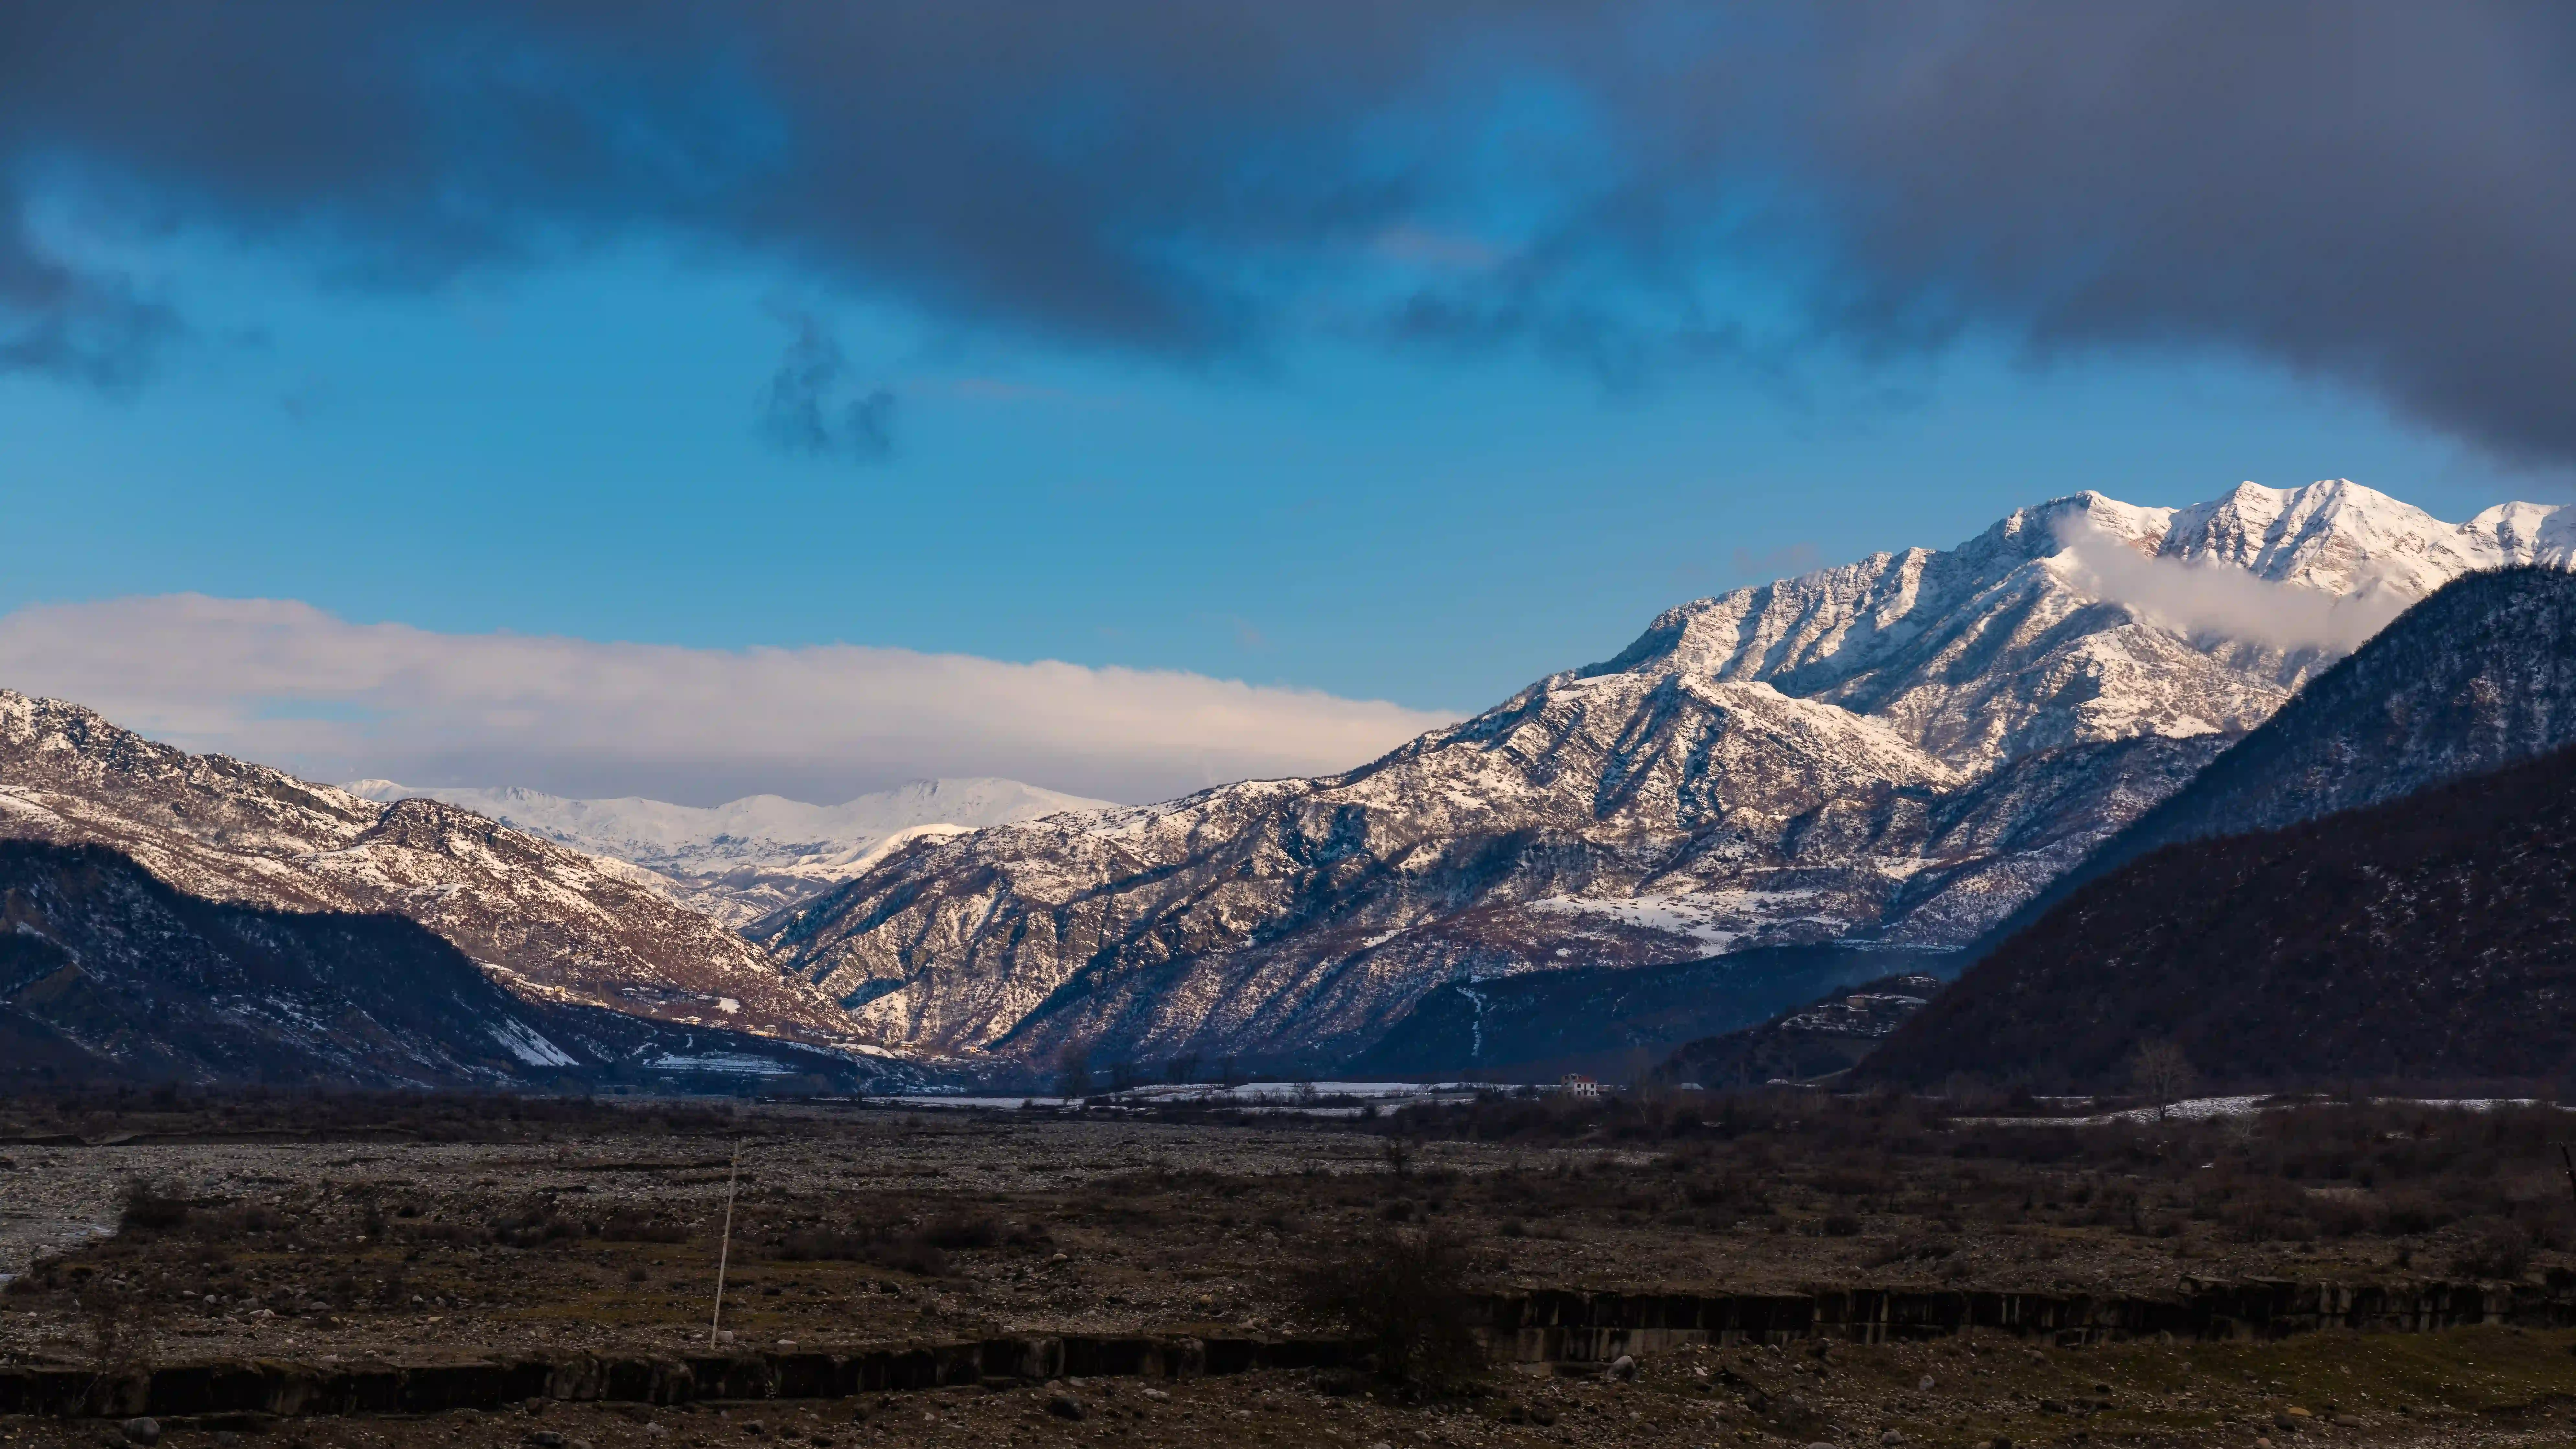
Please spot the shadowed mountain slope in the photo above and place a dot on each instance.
(2429, 939)
(108, 973)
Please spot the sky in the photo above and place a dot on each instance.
(693, 400)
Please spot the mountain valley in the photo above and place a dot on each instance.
(743, 859)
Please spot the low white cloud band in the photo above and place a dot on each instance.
(2203, 598)
(284, 683)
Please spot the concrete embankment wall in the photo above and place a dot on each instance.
(1559, 1326)
(264, 1387)
(1543, 1326)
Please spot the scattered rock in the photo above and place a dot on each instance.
(1066, 1406)
(146, 1432)
(1925, 1384)
(1157, 1395)
(543, 1439)
(1624, 1367)
(1891, 1439)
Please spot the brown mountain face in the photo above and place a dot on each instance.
(2426, 940)
(549, 923)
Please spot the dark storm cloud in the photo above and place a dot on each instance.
(2372, 192)
(59, 320)
(2376, 192)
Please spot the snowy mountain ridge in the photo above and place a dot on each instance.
(745, 858)
(550, 924)
(1894, 752)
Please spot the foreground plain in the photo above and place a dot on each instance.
(427, 1229)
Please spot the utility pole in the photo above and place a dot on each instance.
(724, 1252)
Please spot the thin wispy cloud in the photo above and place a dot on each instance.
(811, 407)
(287, 684)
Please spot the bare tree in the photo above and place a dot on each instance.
(1183, 1069)
(1399, 1156)
(1073, 1074)
(2160, 1069)
(1230, 1072)
(1123, 1075)
(1641, 1070)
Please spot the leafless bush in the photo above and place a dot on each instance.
(629, 1226)
(122, 1327)
(959, 1234)
(2495, 1249)
(1406, 1295)
(150, 1208)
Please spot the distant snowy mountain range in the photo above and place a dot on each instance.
(746, 858)
(1893, 753)
(1888, 756)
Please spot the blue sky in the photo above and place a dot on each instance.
(1360, 355)
(578, 450)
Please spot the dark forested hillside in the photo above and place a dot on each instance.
(1823, 1037)
(2475, 677)
(107, 973)
(2430, 939)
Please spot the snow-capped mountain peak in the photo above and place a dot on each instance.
(2339, 537)
(1892, 752)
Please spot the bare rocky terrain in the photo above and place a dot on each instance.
(451, 1229)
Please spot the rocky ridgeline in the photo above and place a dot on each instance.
(1894, 753)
